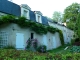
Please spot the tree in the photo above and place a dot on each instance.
(70, 14)
(57, 16)
(77, 30)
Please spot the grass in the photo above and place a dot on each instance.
(55, 54)
(60, 50)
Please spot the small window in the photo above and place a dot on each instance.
(3, 39)
(25, 13)
(32, 35)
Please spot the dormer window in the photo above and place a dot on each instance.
(25, 14)
(38, 15)
(25, 11)
(38, 18)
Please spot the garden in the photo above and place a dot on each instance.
(60, 53)
(13, 54)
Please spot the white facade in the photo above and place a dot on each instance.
(17, 37)
(67, 33)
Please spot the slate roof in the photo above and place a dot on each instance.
(10, 8)
(14, 9)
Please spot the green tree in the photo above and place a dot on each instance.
(70, 14)
(77, 30)
(57, 16)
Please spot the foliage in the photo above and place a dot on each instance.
(70, 14)
(78, 26)
(42, 48)
(70, 24)
(60, 49)
(33, 43)
(61, 37)
(57, 16)
(11, 54)
(72, 41)
(9, 47)
(75, 49)
(28, 43)
(51, 29)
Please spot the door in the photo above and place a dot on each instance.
(19, 41)
(44, 40)
(54, 42)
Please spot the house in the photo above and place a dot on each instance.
(14, 35)
(67, 33)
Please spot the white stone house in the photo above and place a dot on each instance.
(15, 36)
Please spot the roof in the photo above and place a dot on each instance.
(14, 9)
(38, 12)
(25, 6)
(10, 8)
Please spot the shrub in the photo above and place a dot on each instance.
(32, 42)
(9, 47)
(28, 43)
(41, 49)
(72, 41)
(35, 43)
(77, 40)
(75, 49)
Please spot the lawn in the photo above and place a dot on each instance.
(60, 49)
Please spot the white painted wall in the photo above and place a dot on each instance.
(67, 33)
(46, 39)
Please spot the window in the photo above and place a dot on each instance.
(32, 35)
(38, 18)
(3, 39)
(25, 13)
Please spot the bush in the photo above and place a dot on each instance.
(77, 40)
(72, 41)
(9, 47)
(32, 43)
(41, 49)
(75, 49)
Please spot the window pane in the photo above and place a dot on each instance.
(3, 39)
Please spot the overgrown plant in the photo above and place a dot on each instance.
(29, 42)
(75, 49)
(9, 47)
(61, 37)
(33, 43)
(36, 27)
(42, 49)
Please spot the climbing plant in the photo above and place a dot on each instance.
(25, 23)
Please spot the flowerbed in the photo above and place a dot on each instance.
(11, 54)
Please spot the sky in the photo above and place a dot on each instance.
(47, 7)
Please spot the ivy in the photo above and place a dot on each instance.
(61, 36)
(36, 27)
